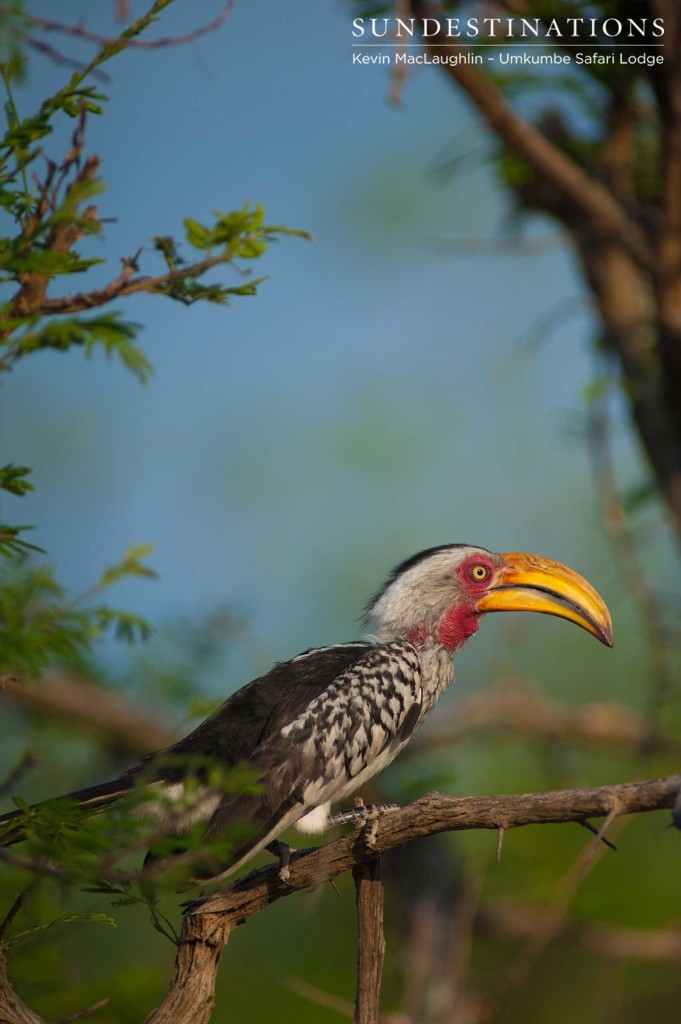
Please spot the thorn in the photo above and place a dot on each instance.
(676, 812)
(332, 883)
(600, 834)
(500, 842)
(596, 832)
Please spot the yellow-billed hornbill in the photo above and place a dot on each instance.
(316, 728)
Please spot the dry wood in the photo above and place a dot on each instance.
(370, 940)
(12, 1009)
(208, 922)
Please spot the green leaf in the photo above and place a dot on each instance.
(132, 564)
(197, 234)
(68, 917)
(106, 331)
(13, 479)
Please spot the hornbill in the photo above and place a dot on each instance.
(316, 728)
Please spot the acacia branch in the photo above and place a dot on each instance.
(79, 31)
(370, 940)
(209, 921)
(12, 1009)
(573, 183)
(124, 284)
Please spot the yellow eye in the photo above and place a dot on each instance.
(479, 573)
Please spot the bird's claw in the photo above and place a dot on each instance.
(362, 814)
(283, 853)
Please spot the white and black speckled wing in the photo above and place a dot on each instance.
(339, 740)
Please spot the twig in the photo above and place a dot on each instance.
(37, 867)
(527, 245)
(580, 188)
(121, 724)
(17, 905)
(27, 762)
(615, 521)
(370, 940)
(517, 707)
(84, 1013)
(662, 945)
(552, 922)
(320, 997)
(79, 31)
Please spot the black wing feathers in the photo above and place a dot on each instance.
(264, 706)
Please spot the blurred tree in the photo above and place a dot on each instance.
(600, 153)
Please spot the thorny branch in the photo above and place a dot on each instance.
(209, 921)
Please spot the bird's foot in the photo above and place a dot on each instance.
(366, 818)
(282, 851)
(361, 814)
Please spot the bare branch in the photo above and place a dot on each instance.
(516, 706)
(18, 904)
(209, 921)
(661, 945)
(371, 940)
(14, 1011)
(99, 1005)
(320, 997)
(79, 31)
(27, 762)
(616, 524)
(191, 996)
(583, 191)
(123, 725)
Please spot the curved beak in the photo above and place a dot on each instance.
(530, 583)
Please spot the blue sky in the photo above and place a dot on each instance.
(375, 398)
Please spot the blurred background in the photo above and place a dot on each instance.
(401, 382)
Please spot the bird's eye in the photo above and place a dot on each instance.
(479, 573)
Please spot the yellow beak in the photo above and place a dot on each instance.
(530, 583)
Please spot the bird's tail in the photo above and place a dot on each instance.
(93, 800)
(250, 808)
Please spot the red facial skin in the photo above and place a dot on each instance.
(462, 620)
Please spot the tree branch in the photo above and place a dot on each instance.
(515, 706)
(122, 725)
(12, 1009)
(654, 945)
(583, 191)
(124, 284)
(209, 921)
(370, 940)
(78, 31)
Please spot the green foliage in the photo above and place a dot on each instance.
(67, 917)
(49, 212)
(106, 331)
(40, 625)
(13, 479)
